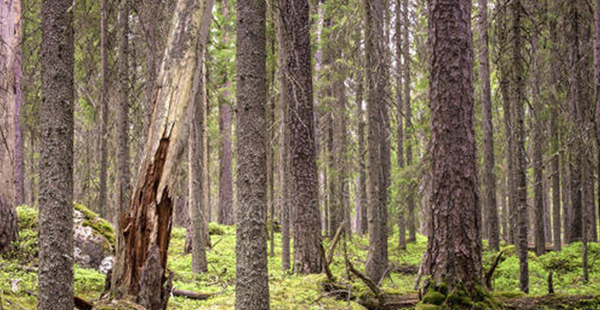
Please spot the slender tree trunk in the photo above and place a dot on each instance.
(538, 172)
(555, 147)
(521, 158)
(144, 232)
(597, 83)
(377, 139)
(284, 159)
(303, 165)
(123, 170)
(55, 273)
(410, 198)
(197, 210)
(102, 201)
(225, 178)
(362, 178)
(252, 287)
(399, 105)
(454, 247)
(489, 179)
(566, 194)
(577, 128)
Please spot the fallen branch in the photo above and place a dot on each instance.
(490, 273)
(325, 265)
(193, 295)
(334, 242)
(372, 286)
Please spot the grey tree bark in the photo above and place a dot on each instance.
(252, 286)
(123, 164)
(55, 273)
(102, 200)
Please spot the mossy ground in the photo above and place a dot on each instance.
(289, 291)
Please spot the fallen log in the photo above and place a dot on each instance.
(82, 304)
(193, 295)
(551, 302)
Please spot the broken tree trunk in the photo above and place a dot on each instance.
(144, 229)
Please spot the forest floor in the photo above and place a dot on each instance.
(18, 278)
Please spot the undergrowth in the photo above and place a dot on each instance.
(289, 291)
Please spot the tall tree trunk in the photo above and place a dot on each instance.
(55, 273)
(284, 158)
(538, 172)
(303, 165)
(597, 83)
(197, 210)
(10, 104)
(377, 139)
(123, 170)
(489, 179)
(102, 201)
(575, 153)
(226, 215)
(555, 146)
(144, 232)
(252, 287)
(362, 176)
(399, 108)
(410, 198)
(519, 136)
(454, 247)
(508, 123)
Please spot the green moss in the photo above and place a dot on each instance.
(97, 224)
(434, 298)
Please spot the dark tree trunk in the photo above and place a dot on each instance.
(197, 210)
(303, 165)
(575, 152)
(555, 146)
(597, 83)
(377, 139)
(252, 287)
(362, 176)
(55, 273)
(399, 117)
(489, 177)
(454, 247)
(538, 172)
(123, 170)
(226, 215)
(519, 140)
(102, 201)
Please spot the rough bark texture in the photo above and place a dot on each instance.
(252, 287)
(519, 140)
(10, 103)
(102, 203)
(197, 210)
(575, 111)
(303, 166)
(284, 152)
(489, 177)
(147, 224)
(538, 172)
(55, 273)
(362, 175)
(597, 81)
(226, 215)
(123, 169)
(454, 247)
(399, 116)
(378, 150)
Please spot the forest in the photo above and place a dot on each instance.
(299, 154)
